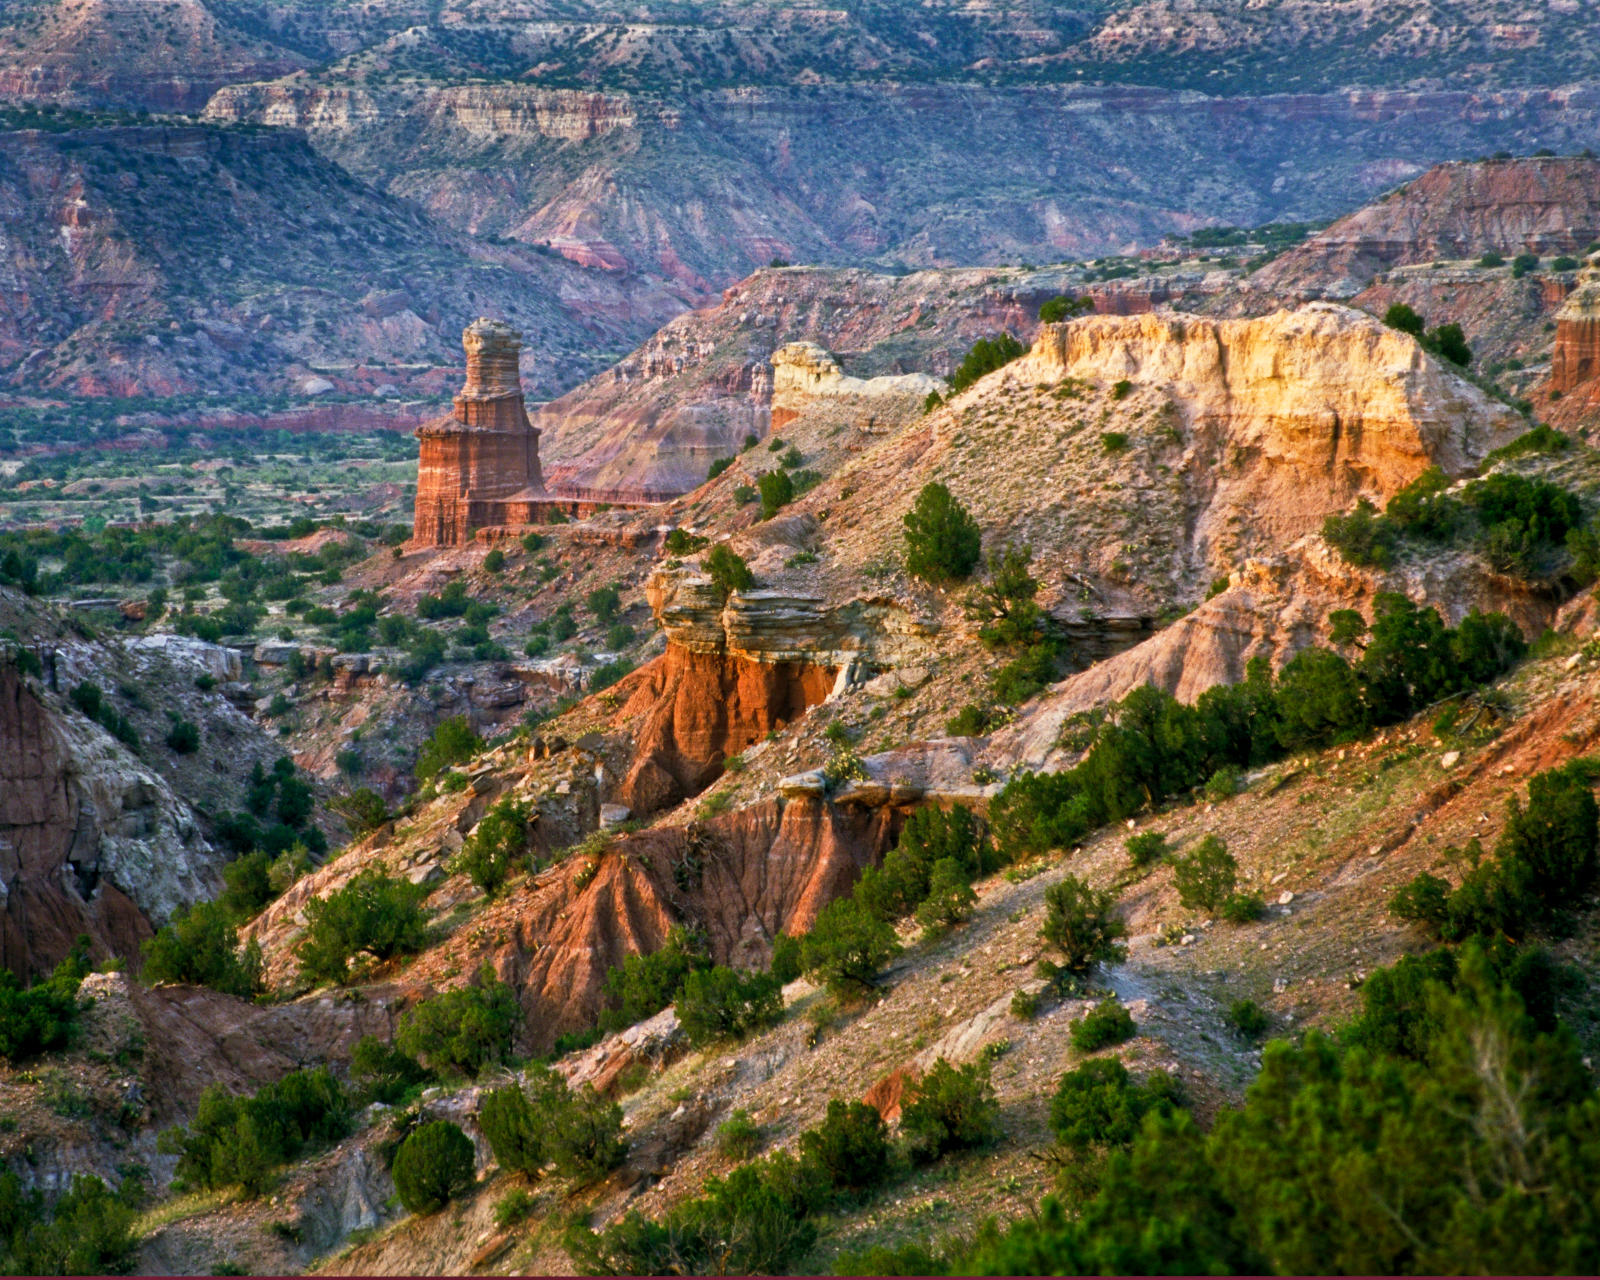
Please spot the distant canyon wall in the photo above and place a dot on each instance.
(703, 187)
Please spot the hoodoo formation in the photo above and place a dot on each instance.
(480, 464)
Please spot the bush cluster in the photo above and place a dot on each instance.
(1521, 526)
(497, 844)
(544, 1122)
(713, 1002)
(432, 1166)
(241, 1142)
(759, 1218)
(87, 1231)
(928, 873)
(375, 913)
(37, 1019)
(985, 356)
(1544, 862)
(462, 1030)
(1473, 1152)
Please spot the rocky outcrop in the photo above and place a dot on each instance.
(1306, 410)
(91, 840)
(803, 372)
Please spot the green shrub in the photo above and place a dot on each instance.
(680, 542)
(942, 540)
(1106, 1024)
(643, 985)
(37, 1019)
(985, 356)
(1024, 1005)
(1026, 676)
(1242, 908)
(514, 1130)
(1523, 263)
(364, 809)
(1099, 1105)
(950, 900)
(497, 844)
(1114, 441)
(729, 572)
(495, 561)
(717, 467)
(1492, 259)
(242, 1142)
(1247, 1019)
(950, 1109)
(1146, 849)
(1205, 877)
(581, 1131)
(605, 603)
(201, 946)
(465, 1029)
(183, 737)
(850, 1147)
(1079, 925)
(1363, 537)
(87, 1231)
(375, 913)
(1064, 307)
(720, 1003)
(738, 1137)
(533, 542)
(433, 1165)
(1004, 606)
(516, 1206)
(1224, 784)
(848, 946)
(453, 742)
(787, 964)
(384, 1073)
(777, 491)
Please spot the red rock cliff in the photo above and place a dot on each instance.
(1576, 358)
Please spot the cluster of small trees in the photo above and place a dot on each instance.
(1447, 341)
(241, 1142)
(542, 1123)
(762, 1216)
(1150, 746)
(1521, 526)
(87, 1231)
(1546, 860)
(41, 1017)
(713, 1002)
(1488, 1142)
(375, 914)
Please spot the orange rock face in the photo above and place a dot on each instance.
(701, 708)
(480, 465)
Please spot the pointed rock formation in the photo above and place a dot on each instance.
(480, 464)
